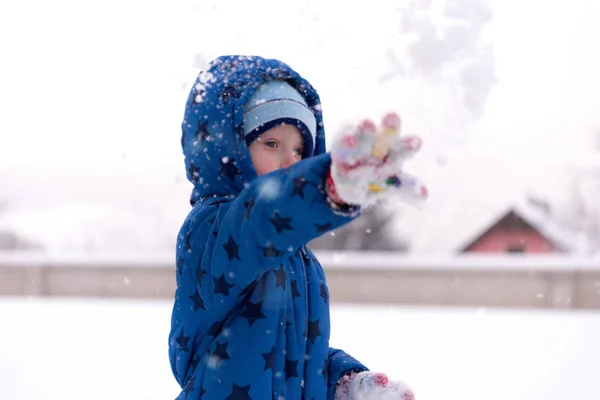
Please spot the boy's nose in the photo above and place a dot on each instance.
(288, 159)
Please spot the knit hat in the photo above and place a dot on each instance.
(277, 102)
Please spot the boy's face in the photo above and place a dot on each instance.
(279, 147)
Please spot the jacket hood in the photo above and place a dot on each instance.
(217, 159)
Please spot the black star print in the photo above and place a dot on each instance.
(198, 302)
(280, 223)
(228, 93)
(202, 392)
(291, 368)
(322, 228)
(324, 293)
(182, 341)
(194, 363)
(295, 291)
(215, 328)
(189, 387)
(229, 169)
(271, 251)
(180, 266)
(188, 245)
(194, 172)
(253, 311)
(280, 275)
(220, 353)
(221, 285)
(202, 132)
(299, 184)
(240, 393)
(313, 330)
(249, 206)
(231, 247)
(200, 275)
(269, 359)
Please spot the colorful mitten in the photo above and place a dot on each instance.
(371, 386)
(367, 164)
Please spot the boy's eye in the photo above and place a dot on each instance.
(271, 143)
(298, 152)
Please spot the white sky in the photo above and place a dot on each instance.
(82, 80)
(98, 89)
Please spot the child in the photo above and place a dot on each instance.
(251, 312)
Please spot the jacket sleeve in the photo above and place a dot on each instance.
(272, 218)
(339, 364)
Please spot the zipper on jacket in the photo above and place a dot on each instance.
(305, 273)
(304, 270)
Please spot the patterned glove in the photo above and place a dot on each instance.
(367, 165)
(371, 386)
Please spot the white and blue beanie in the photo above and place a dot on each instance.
(275, 103)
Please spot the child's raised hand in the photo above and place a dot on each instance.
(371, 386)
(367, 164)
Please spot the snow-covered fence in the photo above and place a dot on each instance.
(478, 281)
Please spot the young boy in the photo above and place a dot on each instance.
(251, 312)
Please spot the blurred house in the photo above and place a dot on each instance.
(522, 228)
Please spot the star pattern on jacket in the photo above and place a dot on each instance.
(215, 328)
(271, 251)
(291, 368)
(323, 289)
(299, 185)
(197, 300)
(202, 133)
(249, 206)
(199, 276)
(253, 312)
(180, 262)
(232, 248)
(194, 172)
(280, 223)
(220, 353)
(188, 244)
(189, 387)
(229, 169)
(269, 359)
(314, 331)
(182, 341)
(239, 393)
(280, 275)
(322, 228)
(294, 287)
(195, 361)
(228, 93)
(221, 285)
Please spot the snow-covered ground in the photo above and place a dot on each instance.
(73, 349)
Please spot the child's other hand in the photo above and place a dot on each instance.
(367, 164)
(371, 386)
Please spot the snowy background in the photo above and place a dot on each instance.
(97, 350)
(505, 95)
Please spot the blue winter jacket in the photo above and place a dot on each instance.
(251, 312)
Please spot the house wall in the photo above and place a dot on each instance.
(499, 240)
